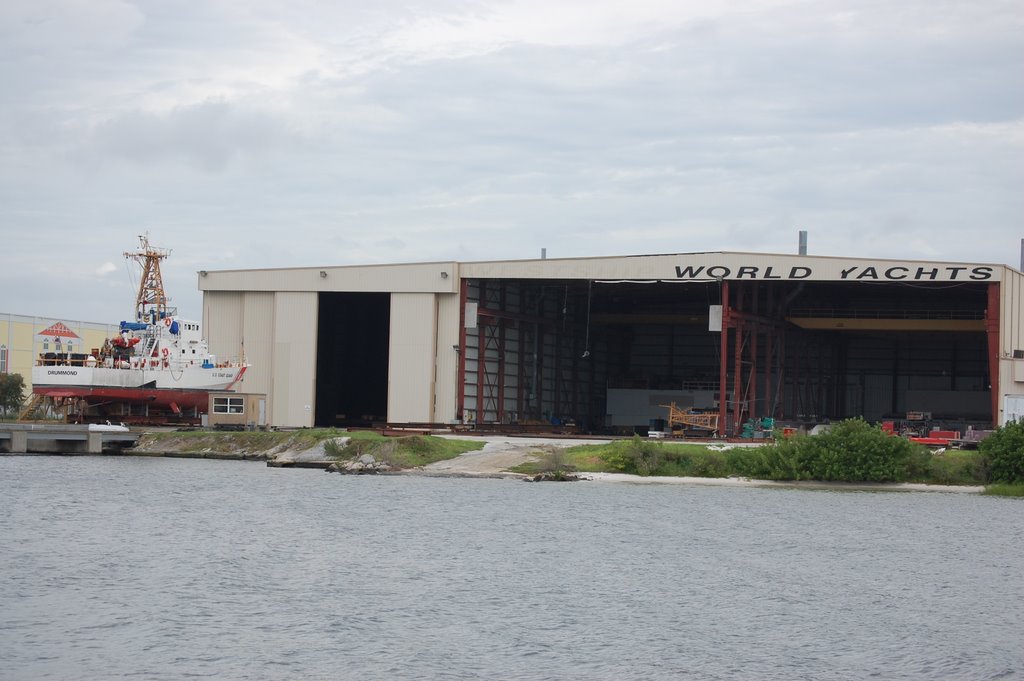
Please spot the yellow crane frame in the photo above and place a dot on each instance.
(687, 417)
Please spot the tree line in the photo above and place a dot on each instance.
(12, 393)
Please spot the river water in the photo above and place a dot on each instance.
(149, 568)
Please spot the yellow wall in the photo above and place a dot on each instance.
(18, 335)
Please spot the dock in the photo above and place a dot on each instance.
(61, 438)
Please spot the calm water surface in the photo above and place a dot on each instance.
(147, 568)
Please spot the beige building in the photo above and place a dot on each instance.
(604, 343)
(24, 338)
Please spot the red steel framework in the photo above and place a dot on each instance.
(751, 372)
(992, 330)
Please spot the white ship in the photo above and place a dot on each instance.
(158, 364)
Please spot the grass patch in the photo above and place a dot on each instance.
(645, 457)
(1005, 490)
(249, 442)
(952, 467)
(412, 451)
(399, 452)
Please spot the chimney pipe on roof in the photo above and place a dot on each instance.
(803, 242)
(1022, 255)
(543, 254)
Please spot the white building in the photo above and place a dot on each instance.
(604, 342)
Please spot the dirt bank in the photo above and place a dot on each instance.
(498, 455)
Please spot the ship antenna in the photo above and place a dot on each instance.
(151, 294)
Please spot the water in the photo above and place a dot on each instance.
(147, 568)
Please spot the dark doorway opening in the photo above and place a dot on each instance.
(607, 356)
(352, 359)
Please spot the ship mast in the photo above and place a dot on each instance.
(151, 296)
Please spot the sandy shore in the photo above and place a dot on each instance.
(498, 455)
(501, 453)
(806, 484)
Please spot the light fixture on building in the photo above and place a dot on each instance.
(444, 275)
(323, 274)
(202, 273)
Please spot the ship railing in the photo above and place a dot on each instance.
(136, 361)
(51, 359)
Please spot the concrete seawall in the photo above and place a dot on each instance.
(32, 438)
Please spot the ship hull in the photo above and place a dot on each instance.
(161, 389)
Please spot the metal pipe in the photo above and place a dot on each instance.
(723, 370)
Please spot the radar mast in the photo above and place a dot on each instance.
(151, 297)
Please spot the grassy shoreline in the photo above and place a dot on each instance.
(636, 456)
(326, 444)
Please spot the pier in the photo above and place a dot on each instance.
(61, 438)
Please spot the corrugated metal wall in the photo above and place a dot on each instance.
(258, 319)
(222, 322)
(231, 318)
(446, 387)
(411, 358)
(1011, 318)
(293, 384)
(1011, 339)
(435, 277)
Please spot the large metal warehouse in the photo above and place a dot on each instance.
(601, 344)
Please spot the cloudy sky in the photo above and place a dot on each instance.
(249, 133)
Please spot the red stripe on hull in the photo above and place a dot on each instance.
(185, 399)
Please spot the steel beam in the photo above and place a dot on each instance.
(992, 329)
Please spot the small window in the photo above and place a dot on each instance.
(228, 405)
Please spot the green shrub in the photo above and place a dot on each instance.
(851, 451)
(1004, 454)
(711, 464)
(640, 456)
(777, 461)
(643, 455)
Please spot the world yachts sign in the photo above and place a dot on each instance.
(886, 272)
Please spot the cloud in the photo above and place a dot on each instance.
(207, 135)
(275, 135)
(106, 268)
